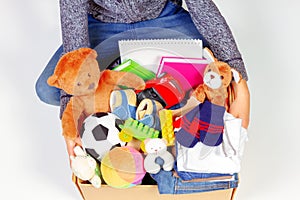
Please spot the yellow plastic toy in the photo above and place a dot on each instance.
(167, 130)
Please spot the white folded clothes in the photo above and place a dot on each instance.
(224, 158)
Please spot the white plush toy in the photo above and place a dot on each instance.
(85, 167)
(158, 157)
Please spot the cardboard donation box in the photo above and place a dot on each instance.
(160, 127)
(146, 192)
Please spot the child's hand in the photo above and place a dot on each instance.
(240, 107)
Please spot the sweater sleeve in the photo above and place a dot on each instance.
(74, 24)
(212, 25)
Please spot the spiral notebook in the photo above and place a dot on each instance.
(148, 53)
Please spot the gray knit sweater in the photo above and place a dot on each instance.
(204, 13)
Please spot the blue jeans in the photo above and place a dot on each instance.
(169, 184)
(174, 22)
(187, 176)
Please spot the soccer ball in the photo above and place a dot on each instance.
(100, 133)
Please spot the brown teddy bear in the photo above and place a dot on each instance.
(78, 74)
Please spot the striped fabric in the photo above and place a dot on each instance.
(202, 124)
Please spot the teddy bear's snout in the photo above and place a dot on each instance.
(212, 80)
(91, 86)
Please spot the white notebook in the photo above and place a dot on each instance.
(148, 53)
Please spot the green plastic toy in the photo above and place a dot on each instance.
(135, 129)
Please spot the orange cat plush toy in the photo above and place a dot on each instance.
(217, 77)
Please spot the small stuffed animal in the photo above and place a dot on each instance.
(158, 157)
(85, 167)
(204, 122)
(217, 78)
(202, 116)
(78, 74)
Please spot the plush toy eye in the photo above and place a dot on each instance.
(78, 84)
(209, 70)
(89, 75)
(222, 77)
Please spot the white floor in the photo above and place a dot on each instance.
(34, 162)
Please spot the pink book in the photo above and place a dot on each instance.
(188, 71)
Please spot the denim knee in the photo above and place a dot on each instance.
(47, 94)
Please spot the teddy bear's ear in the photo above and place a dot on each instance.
(53, 81)
(224, 67)
(93, 54)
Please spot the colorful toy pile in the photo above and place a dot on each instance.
(136, 117)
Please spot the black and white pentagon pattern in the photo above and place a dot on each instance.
(100, 133)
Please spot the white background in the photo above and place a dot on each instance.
(34, 162)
